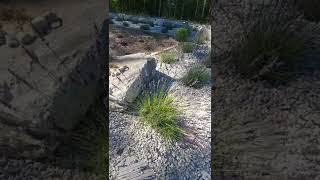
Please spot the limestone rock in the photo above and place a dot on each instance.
(53, 20)
(126, 88)
(12, 41)
(40, 25)
(25, 38)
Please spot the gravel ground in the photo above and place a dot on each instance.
(185, 159)
(12, 169)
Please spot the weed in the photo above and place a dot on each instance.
(187, 47)
(181, 34)
(168, 57)
(196, 76)
(156, 110)
(200, 38)
(273, 45)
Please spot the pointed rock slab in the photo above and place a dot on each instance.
(124, 88)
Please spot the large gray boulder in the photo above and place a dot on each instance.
(124, 88)
(45, 91)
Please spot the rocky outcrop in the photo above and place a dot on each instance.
(47, 87)
(124, 88)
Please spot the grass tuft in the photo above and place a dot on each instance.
(156, 110)
(274, 44)
(187, 47)
(200, 38)
(168, 57)
(196, 76)
(181, 34)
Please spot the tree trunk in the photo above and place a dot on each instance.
(204, 7)
(195, 14)
(159, 8)
(182, 10)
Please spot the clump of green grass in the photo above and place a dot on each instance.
(187, 47)
(168, 57)
(196, 76)
(273, 45)
(156, 110)
(200, 38)
(181, 34)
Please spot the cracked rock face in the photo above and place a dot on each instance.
(125, 86)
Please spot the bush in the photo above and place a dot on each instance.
(168, 57)
(187, 47)
(145, 27)
(156, 110)
(200, 38)
(273, 45)
(196, 76)
(126, 24)
(181, 34)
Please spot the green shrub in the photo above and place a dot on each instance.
(145, 27)
(200, 38)
(196, 76)
(168, 57)
(181, 34)
(187, 47)
(272, 46)
(156, 110)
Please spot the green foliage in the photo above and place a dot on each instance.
(156, 110)
(177, 9)
(168, 57)
(181, 34)
(200, 38)
(187, 47)
(273, 45)
(86, 145)
(196, 76)
(145, 27)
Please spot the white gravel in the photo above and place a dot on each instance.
(185, 159)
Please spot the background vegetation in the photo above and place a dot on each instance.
(194, 10)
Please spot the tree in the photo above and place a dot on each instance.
(204, 7)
